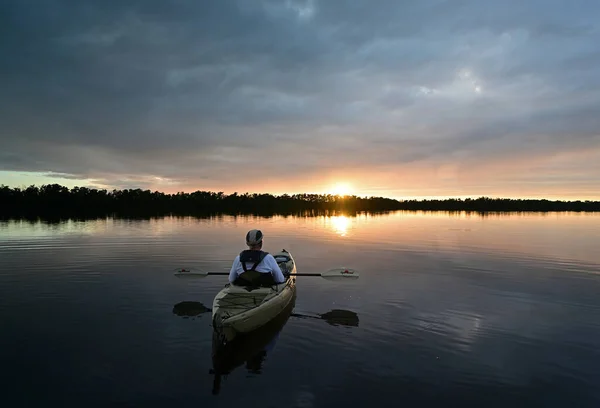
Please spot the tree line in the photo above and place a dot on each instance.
(55, 200)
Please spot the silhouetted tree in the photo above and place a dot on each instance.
(53, 200)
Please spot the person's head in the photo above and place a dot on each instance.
(254, 239)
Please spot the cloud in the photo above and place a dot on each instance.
(207, 93)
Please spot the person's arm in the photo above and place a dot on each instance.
(232, 272)
(277, 274)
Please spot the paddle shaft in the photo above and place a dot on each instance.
(291, 274)
(305, 274)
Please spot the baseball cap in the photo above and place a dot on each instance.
(254, 237)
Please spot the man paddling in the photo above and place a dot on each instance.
(254, 260)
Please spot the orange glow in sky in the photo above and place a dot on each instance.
(341, 189)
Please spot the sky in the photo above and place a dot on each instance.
(403, 99)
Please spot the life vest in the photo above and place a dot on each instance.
(251, 255)
(251, 277)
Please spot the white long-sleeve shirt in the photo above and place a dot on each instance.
(268, 265)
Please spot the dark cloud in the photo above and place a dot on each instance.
(189, 90)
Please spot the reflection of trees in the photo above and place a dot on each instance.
(58, 201)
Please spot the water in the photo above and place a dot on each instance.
(456, 310)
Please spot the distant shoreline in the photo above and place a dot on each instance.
(55, 200)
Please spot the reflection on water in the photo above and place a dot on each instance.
(539, 235)
(250, 349)
(455, 309)
(338, 223)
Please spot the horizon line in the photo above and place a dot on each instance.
(279, 195)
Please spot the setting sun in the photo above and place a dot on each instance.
(341, 189)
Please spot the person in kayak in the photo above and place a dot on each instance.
(253, 265)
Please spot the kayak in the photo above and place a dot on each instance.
(242, 309)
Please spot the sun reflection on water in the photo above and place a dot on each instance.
(339, 224)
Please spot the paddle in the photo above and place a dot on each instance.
(335, 317)
(331, 274)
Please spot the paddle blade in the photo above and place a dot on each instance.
(190, 273)
(341, 317)
(189, 309)
(340, 273)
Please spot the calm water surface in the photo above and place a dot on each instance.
(454, 309)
